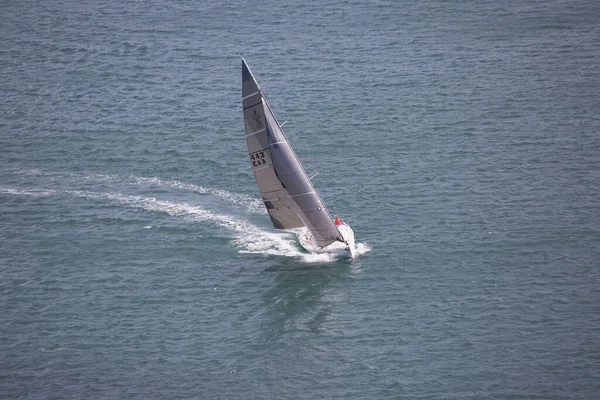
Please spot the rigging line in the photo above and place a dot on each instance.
(250, 95)
(302, 194)
(255, 132)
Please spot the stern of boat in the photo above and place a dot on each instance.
(346, 248)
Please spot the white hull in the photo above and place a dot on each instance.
(346, 249)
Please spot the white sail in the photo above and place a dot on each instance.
(289, 196)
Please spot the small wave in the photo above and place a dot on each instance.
(29, 192)
(362, 248)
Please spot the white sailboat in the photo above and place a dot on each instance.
(287, 192)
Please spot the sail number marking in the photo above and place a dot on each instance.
(258, 159)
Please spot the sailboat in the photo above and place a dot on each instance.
(287, 192)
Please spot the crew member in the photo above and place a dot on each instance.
(337, 221)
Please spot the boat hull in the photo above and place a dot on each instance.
(344, 249)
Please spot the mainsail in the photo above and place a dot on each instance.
(287, 192)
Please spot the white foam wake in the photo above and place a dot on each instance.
(362, 248)
(251, 204)
(248, 237)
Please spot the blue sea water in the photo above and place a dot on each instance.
(460, 140)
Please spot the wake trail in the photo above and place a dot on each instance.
(251, 204)
(248, 237)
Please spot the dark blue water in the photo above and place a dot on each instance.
(461, 142)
